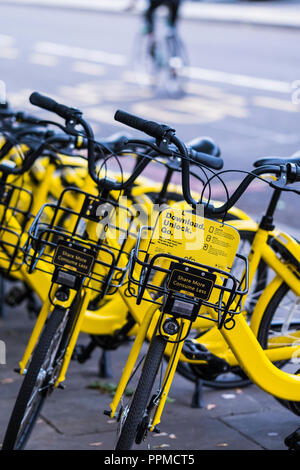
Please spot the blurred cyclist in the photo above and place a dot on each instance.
(173, 11)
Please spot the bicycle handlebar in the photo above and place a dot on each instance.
(28, 119)
(159, 132)
(74, 114)
(290, 173)
(49, 104)
(151, 128)
(211, 161)
(34, 153)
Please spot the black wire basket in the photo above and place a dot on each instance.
(15, 209)
(184, 287)
(82, 238)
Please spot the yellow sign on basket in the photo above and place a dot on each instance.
(195, 238)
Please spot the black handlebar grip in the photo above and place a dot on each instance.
(208, 160)
(151, 128)
(51, 105)
(293, 172)
(297, 173)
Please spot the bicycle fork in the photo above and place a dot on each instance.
(154, 322)
(76, 328)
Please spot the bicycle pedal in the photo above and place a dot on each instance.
(15, 296)
(77, 352)
(195, 351)
(81, 353)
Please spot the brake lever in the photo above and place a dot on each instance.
(282, 181)
(281, 184)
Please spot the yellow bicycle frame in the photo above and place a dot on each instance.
(239, 345)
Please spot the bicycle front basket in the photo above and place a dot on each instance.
(164, 273)
(90, 243)
(15, 214)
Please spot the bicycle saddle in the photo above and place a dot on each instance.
(277, 161)
(205, 145)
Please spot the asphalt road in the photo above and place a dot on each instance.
(241, 93)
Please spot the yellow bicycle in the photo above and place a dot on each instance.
(75, 246)
(204, 294)
(66, 247)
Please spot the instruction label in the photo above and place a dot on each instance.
(75, 257)
(191, 281)
(195, 238)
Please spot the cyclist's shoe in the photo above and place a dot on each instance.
(175, 62)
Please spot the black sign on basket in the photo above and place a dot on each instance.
(74, 257)
(191, 281)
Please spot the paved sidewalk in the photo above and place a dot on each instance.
(237, 419)
(278, 13)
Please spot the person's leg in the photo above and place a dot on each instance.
(149, 14)
(173, 6)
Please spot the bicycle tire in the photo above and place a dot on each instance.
(263, 334)
(175, 52)
(13, 440)
(141, 396)
(143, 64)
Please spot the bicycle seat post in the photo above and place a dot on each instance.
(266, 222)
(161, 197)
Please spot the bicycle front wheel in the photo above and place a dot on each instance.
(144, 62)
(174, 73)
(133, 420)
(37, 383)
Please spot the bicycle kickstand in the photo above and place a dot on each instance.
(197, 399)
(104, 365)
